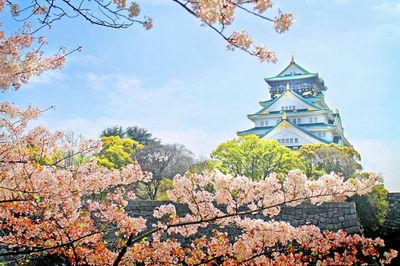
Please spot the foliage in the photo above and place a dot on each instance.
(372, 208)
(21, 57)
(326, 158)
(202, 165)
(46, 210)
(165, 185)
(136, 133)
(141, 135)
(113, 131)
(254, 157)
(322, 158)
(163, 161)
(71, 140)
(116, 152)
(310, 246)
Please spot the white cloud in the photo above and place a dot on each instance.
(383, 157)
(200, 142)
(171, 112)
(121, 88)
(89, 128)
(387, 31)
(388, 7)
(169, 104)
(48, 77)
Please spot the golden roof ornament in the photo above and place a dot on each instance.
(287, 86)
(284, 116)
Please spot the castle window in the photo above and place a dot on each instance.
(315, 119)
(288, 108)
(310, 120)
(298, 120)
(296, 140)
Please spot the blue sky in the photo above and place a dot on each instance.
(181, 83)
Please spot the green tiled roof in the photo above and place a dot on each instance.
(255, 130)
(291, 77)
(280, 114)
(310, 133)
(299, 73)
(262, 131)
(267, 104)
(308, 99)
(316, 125)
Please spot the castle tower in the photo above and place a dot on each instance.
(297, 114)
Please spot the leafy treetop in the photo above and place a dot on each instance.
(323, 158)
(254, 157)
(116, 152)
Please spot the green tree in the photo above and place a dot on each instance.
(202, 165)
(325, 158)
(322, 158)
(372, 207)
(113, 131)
(141, 135)
(117, 152)
(254, 157)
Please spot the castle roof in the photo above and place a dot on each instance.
(263, 131)
(309, 102)
(291, 72)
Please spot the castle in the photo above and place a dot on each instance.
(297, 113)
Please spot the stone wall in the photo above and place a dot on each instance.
(331, 216)
(391, 226)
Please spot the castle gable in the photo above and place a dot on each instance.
(292, 136)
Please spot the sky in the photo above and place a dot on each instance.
(181, 83)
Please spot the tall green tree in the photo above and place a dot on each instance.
(326, 158)
(254, 157)
(117, 152)
(141, 135)
(113, 131)
(322, 158)
(372, 209)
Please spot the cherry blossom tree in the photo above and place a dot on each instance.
(21, 54)
(76, 212)
(49, 208)
(218, 15)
